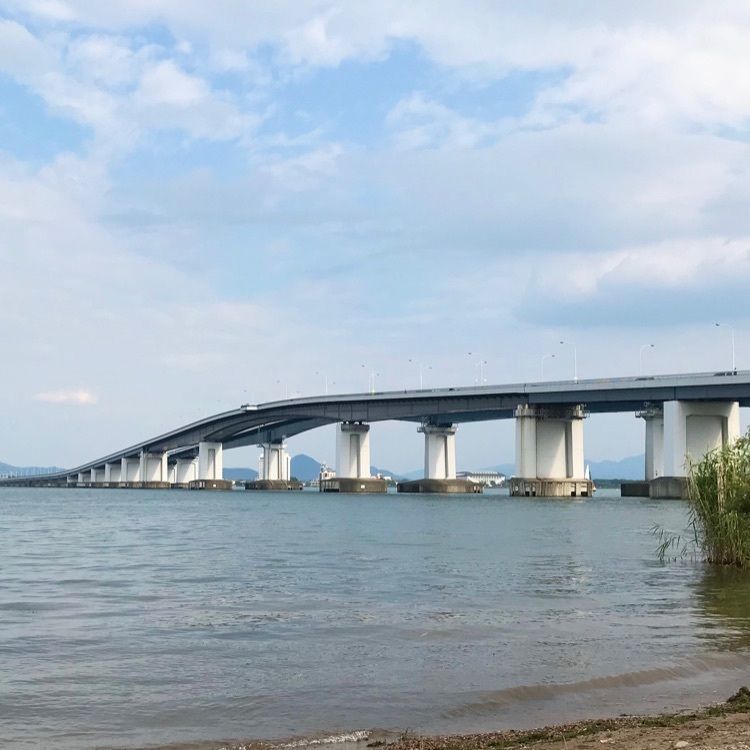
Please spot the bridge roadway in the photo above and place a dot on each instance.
(255, 424)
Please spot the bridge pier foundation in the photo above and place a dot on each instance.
(112, 472)
(439, 463)
(274, 468)
(549, 452)
(130, 471)
(210, 468)
(353, 462)
(689, 430)
(185, 470)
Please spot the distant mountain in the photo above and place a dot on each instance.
(632, 467)
(24, 470)
(305, 467)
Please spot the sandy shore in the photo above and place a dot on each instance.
(722, 727)
(725, 726)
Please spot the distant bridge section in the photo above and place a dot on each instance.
(685, 413)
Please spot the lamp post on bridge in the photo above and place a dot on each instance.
(480, 366)
(546, 356)
(370, 379)
(734, 358)
(325, 378)
(640, 356)
(575, 359)
(421, 371)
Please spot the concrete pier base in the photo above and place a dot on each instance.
(273, 485)
(210, 484)
(634, 489)
(354, 484)
(669, 488)
(521, 487)
(441, 486)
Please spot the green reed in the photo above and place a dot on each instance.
(719, 496)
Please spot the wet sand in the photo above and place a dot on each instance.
(725, 726)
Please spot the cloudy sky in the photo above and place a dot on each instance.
(203, 204)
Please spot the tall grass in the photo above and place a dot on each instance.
(719, 496)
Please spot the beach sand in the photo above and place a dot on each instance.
(725, 726)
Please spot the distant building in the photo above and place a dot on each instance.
(487, 478)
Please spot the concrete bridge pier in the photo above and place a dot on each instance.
(353, 461)
(112, 473)
(439, 463)
(130, 471)
(210, 468)
(690, 430)
(549, 452)
(184, 471)
(154, 470)
(274, 468)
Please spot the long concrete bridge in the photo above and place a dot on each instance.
(685, 415)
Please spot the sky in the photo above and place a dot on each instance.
(207, 204)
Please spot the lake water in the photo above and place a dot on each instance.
(133, 618)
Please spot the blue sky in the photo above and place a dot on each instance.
(204, 204)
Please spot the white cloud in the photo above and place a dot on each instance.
(77, 397)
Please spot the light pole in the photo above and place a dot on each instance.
(422, 368)
(325, 378)
(546, 356)
(370, 379)
(734, 358)
(575, 359)
(640, 356)
(480, 365)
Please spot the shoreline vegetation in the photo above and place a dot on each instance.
(719, 514)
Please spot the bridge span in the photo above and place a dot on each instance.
(685, 414)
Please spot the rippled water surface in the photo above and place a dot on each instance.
(138, 617)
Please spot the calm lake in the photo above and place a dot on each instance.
(132, 618)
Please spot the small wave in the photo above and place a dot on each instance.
(334, 739)
(691, 667)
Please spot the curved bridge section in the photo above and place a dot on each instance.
(548, 425)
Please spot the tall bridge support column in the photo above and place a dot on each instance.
(439, 451)
(691, 430)
(130, 470)
(210, 461)
(97, 475)
(653, 416)
(210, 468)
(154, 469)
(353, 450)
(112, 473)
(439, 463)
(353, 471)
(185, 471)
(549, 452)
(275, 464)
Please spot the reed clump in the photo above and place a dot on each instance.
(719, 496)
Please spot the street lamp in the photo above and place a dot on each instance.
(325, 377)
(370, 379)
(546, 356)
(640, 356)
(734, 359)
(421, 370)
(575, 359)
(480, 365)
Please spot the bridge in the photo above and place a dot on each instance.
(684, 414)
